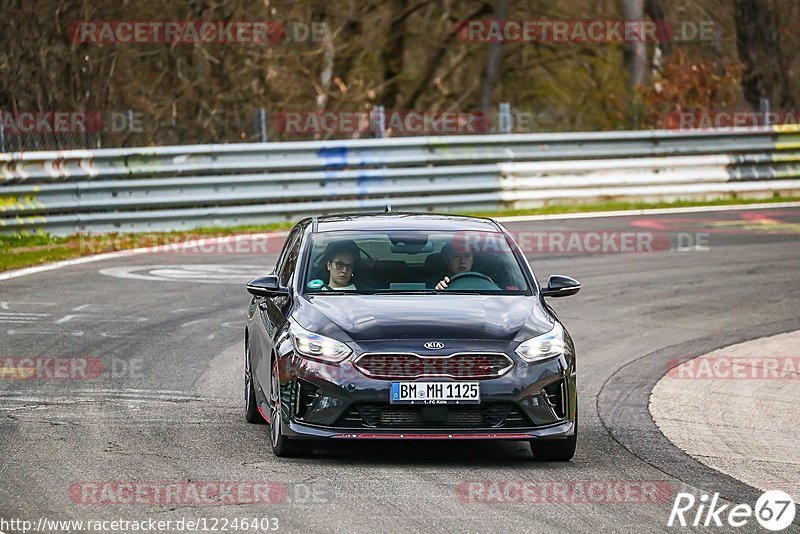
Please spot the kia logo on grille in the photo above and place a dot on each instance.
(434, 345)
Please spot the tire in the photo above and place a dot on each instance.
(251, 413)
(555, 450)
(282, 447)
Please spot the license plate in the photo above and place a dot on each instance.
(435, 393)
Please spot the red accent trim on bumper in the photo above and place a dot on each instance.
(264, 415)
(432, 436)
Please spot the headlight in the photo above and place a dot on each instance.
(543, 347)
(317, 347)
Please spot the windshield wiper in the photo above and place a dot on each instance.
(399, 292)
(406, 292)
(425, 292)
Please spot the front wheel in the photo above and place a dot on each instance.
(282, 446)
(556, 450)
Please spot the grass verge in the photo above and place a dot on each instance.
(17, 251)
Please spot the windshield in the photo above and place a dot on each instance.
(413, 262)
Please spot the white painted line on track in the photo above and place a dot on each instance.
(204, 273)
(45, 332)
(5, 304)
(196, 321)
(98, 395)
(133, 252)
(649, 211)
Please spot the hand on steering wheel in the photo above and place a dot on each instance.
(444, 283)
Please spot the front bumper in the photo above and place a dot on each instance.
(320, 400)
(558, 431)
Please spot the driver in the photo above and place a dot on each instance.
(455, 262)
(341, 258)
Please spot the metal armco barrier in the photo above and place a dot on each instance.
(184, 187)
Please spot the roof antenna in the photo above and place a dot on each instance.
(388, 208)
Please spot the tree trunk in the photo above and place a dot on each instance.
(393, 52)
(494, 57)
(655, 10)
(635, 51)
(759, 50)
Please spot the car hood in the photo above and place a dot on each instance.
(372, 317)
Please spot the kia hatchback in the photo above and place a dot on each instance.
(408, 327)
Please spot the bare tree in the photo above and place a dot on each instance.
(436, 59)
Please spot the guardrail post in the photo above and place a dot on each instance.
(262, 124)
(86, 138)
(764, 108)
(378, 121)
(2, 134)
(504, 120)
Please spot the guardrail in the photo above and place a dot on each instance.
(183, 187)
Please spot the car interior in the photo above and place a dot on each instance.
(402, 275)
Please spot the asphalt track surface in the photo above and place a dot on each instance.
(167, 407)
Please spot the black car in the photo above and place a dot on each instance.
(408, 326)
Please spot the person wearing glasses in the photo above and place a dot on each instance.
(342, 258)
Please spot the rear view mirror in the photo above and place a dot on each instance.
(266, 286)
(412, 248)
(410, 244)
(561, 286)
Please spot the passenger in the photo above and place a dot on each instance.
(342, 261)
(455, 262)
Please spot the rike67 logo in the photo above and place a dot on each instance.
(774, 510)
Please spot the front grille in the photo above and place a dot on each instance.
(476, 365)
(381, 415)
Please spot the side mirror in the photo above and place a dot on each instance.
(561, 286)
(267, 286)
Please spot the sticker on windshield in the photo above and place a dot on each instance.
(316, 283)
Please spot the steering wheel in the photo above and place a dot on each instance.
(467, 275)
